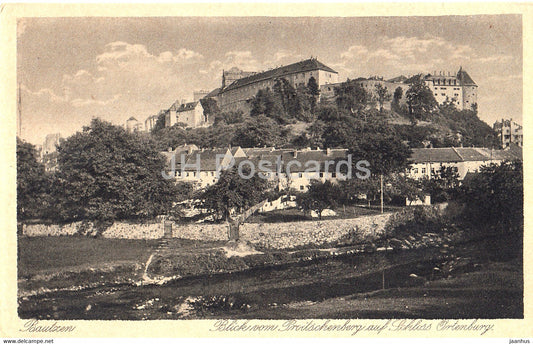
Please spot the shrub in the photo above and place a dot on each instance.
(415, 220)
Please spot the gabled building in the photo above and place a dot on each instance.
(460, 89)
(190, 114)
(427, 162)
(239, 87)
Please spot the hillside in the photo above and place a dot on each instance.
(293, 118)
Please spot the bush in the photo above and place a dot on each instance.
(415, 220)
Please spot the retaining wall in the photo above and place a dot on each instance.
(265, 235)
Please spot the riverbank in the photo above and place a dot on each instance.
(48, 264)
(471, 280)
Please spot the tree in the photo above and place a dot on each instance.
(170, 137)
(107, 174)
(234, 194)
(319, 196)
(32, 183)
(379, 145)
(351, 97)
(312, 86)
(493, 199)
(265, 103)
(230, 117)
(159, 123)
(258, 132)
(420, 100)
(395, 105)
(383, 95)
(398, 94)
(210, 106)
(314, 91)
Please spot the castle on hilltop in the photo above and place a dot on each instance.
(459, 88)
(238, 87)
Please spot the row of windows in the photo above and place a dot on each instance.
(423, 170)
(212, 173)
(450, 82)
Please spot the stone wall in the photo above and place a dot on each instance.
(50, 230)
(294, 234)
(264, 235)
(206, 232)
(121, 230)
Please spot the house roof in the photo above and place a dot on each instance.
(447, 154)
(471, 154)
(298, 67)
(513, 152)
(207, 159)
(184, 107)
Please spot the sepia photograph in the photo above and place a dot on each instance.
(264, 167)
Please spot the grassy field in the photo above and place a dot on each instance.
(293, 214)
(50, 254)
(496, 291)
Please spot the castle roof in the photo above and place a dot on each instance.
(213, 93)
(298, 67)
(465, 79)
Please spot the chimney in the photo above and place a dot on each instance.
(295, 154)
(170, 149)
(328, 150)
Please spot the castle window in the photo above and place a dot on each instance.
(443, 94)
(301, 187)
(436, 94)
(423, 170)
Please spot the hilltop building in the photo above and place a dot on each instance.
(238, 87)
(132, 125)
(150, 122)
(509, 132)
(190, 114)
(459, 88)
(51, 141)
(48, 152)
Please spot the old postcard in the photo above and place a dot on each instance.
(234, 170)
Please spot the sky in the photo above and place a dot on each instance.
(71, 70)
